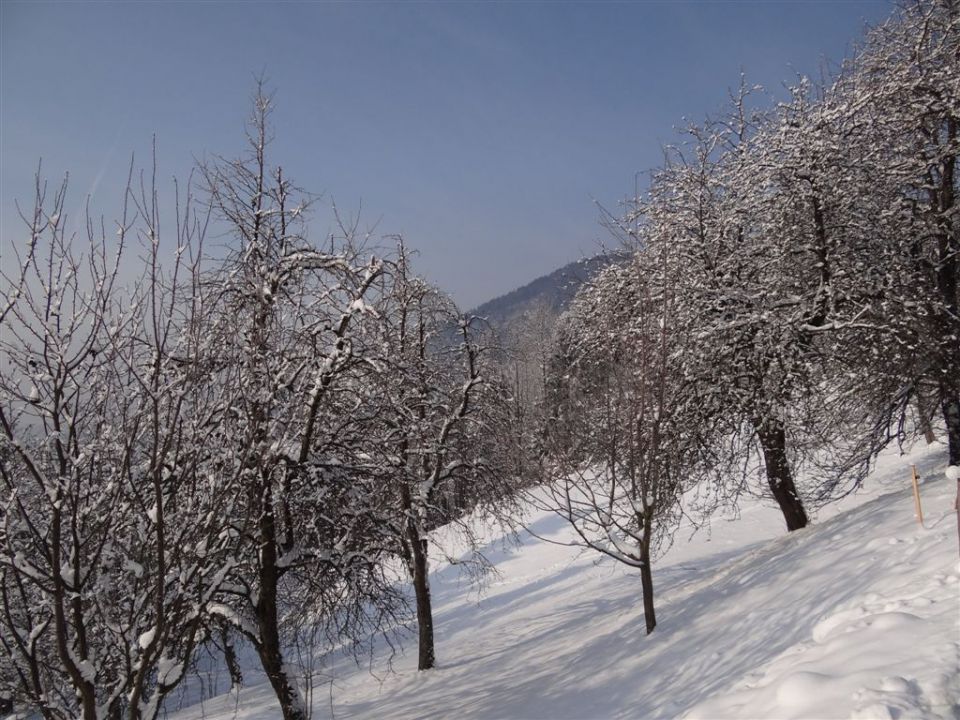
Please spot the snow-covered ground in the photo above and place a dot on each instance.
(854, 617)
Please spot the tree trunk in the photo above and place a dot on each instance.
(950, 406)
(284, 686)
(773, 443)
(926, 427)
(646, 578)
(421, 587)
(268, 647)
(948, 279)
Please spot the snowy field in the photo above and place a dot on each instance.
(854, 617)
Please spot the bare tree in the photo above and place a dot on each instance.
(443, 415)
(292, 417)
(110, 544)
(623, 446)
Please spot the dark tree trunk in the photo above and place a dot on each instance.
(773, 443)
(950, 406)
(268, 647)
(923, 418)
(421, 587)
(646, 578)
(948, 279)
(283, 685)
(945, 325)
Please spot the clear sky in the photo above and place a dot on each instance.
(483, 132)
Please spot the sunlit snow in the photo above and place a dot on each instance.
(853, 617)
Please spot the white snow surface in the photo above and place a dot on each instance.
(856, 616)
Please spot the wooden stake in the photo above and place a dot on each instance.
(916, 495)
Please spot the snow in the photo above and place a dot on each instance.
(134, 567)
(359, 306)
(244, 624)
(146, 638)
(168, 669)
(855, 616)
(87, 671)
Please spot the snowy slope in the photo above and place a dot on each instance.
(854, 617)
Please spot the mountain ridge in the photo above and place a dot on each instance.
(554, 290)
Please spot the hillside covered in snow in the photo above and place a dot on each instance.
(855, 616)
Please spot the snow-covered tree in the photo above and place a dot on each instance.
(445, 429)
(110, 527)
(704, 213)
(525, 362)
(903, 90)
(624, 443)
(818, 242)
(292, 418)
(768, 230)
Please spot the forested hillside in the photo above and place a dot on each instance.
(551, 293)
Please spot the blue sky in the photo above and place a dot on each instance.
(483, 132)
